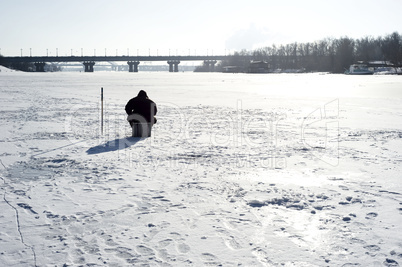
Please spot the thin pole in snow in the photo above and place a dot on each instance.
(102, 110)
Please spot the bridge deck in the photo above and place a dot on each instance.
(108, 58)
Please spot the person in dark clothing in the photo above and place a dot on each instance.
(141, 111)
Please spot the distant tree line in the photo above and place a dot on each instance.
(327, 55)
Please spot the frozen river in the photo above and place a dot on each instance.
(241, 170)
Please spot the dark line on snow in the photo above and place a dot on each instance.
(17, 218)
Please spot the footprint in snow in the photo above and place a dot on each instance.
(183, 248)
(26, 207)
(208, 257)
(232, 243)
(371, 215)
(165, 242)
(143, 250)
(372, 248)
(390, 263)
(122, 252)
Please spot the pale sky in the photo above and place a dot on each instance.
(160, 27)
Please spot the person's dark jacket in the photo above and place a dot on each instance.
(142, 106)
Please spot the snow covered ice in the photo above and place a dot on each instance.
(241, 170)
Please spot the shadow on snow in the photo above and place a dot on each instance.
(114, 145)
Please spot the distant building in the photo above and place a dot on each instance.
(258, 67)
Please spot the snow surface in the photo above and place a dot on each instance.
(4, 69)
(241, 170)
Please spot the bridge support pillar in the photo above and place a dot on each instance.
(40, 66)
(89, 66)
(133, 66)
(210, 64)
(173, 65)
(176, 66)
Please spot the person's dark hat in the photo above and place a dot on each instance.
(142, 93)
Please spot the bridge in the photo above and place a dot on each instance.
(132, 61)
